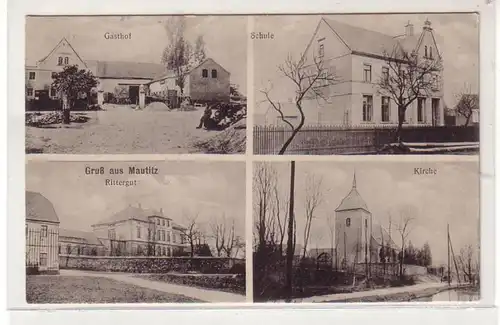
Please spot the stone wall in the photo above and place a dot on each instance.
(151, 264)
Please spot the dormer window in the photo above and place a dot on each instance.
(348, 222)
(66, 60)
(60, 60)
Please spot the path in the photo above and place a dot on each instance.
(341, 297)
(196, 293)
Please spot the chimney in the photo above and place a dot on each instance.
(409, 29)
(427, 25)
(161, 211)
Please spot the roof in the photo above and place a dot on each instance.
(39, 208)
(362, 40)
(126, 70)
(353, 200)
(89, 237)
(381, 236)
(57, 45)
(130, 213)
(167, 74)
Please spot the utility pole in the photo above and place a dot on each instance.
(290, 244)
(448, 243)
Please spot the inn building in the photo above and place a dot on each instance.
(357, 57)
(207, 81)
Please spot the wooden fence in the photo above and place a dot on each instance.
(339, 139)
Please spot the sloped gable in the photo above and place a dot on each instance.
(63, 49)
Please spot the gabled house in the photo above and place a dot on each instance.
(208, 81)
(138, 231)
(357, 57)
(42, 234)
(110, 74)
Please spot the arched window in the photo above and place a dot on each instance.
(59, 60)
(66, 60)
(348, 222)
(425, 54)
(366, 223)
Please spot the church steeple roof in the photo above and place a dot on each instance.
(353, 200)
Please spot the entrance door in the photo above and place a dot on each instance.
(42, 100)
(436, 117)
(133, 94)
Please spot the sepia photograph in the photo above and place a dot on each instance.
(135, 84)
(371, 231)
(366, 84)
(135, 232)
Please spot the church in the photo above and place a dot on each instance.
(360, 238)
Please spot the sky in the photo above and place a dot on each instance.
(211, 189)
(224, 37)
(457, 36)
(450, 197)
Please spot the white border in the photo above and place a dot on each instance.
(264, 313)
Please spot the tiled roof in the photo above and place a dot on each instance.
(87, 236)
(366, 41)
(130, 213)
(352, 201)
(126, 70)
(380, 236)
(169, 74)
(39, 208)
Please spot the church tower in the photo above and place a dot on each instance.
(353, 228)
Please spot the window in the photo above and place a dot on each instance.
(111, 234)
(32, 75)
(158, 233)
(435, 82)
(59, 250)
(59, 60)
(168, 223)
(430, 52)
(66, 60)
(163, 222)
(386, 109)
(367, 108)
(385, 73)
(158, 222)
(169, 251)
(168, 236)
(138, 232)
(163, 251)
(43, 259)
(348, 222)
(321, 50)
(29, 92)
(366, 223)
(44, 231)
(367, 73)
(149, 233)
(163, 235)
(174, 238)
(204, 73)
(425, 52)
(54, 75)
(214, 73)
(421, 110)
(52, 92)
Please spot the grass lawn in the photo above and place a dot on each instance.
(44, 289)
(121, 129)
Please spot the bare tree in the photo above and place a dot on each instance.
(230, 241)
(309, 81)
(280, 214)
(179, 56)
(406, 217)
(330, 222)
(191, 232)
(264, 181)
(219, 234)
(313, 199)
(466, 263)
(467, 103)
(407, 78)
